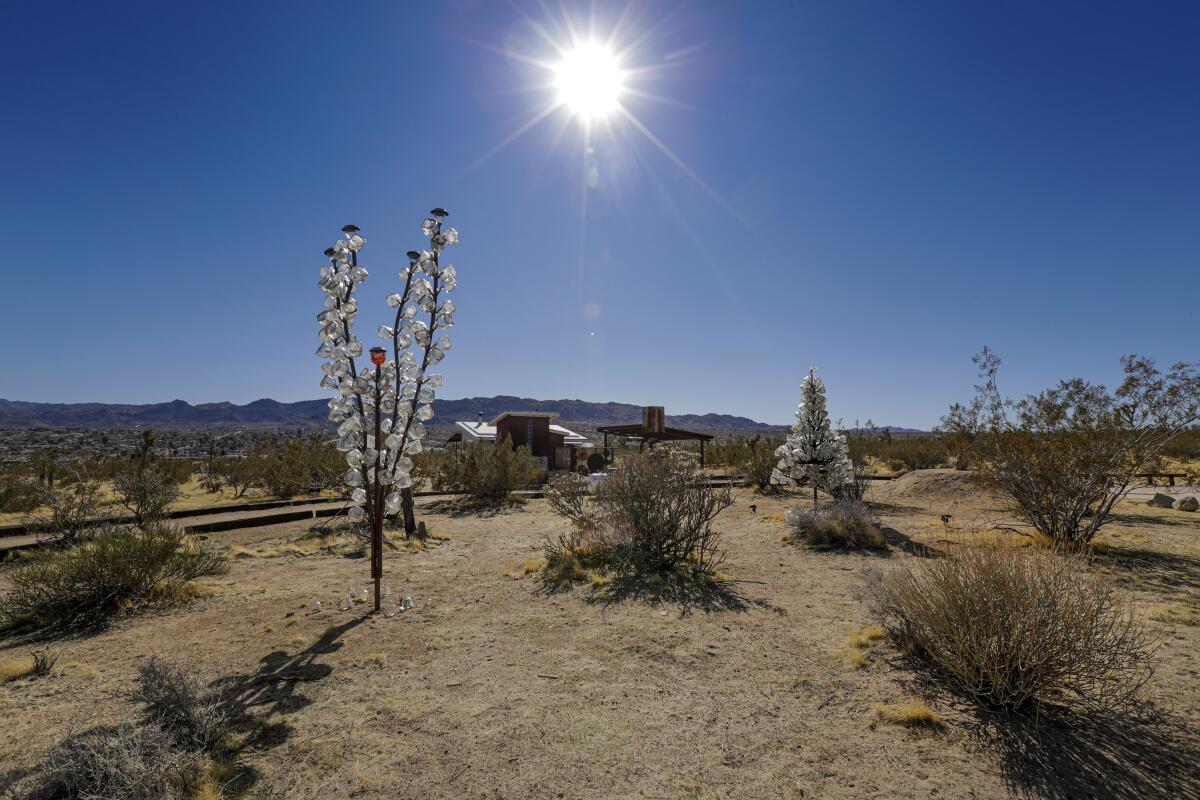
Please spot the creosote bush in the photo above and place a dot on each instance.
(1011, 625)
(489, 473)
(118, 568)
(1065, 456)
(146, 491)
(842, 523)
(652, 516)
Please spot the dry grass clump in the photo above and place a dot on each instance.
(916, 713)
(840, 524)
(338, 541)
(860, 640)
(16, 668)
(176, 753)
(1010, 625)
(117, 569)
(1176, 614)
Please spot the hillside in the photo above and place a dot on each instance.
(267, 412)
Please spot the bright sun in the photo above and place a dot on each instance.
(589, 80)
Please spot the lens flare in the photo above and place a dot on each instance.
(589, 80)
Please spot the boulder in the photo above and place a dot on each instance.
(1161, 500)
(1188, 504)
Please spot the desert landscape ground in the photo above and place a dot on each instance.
(427, 401)
(494, 686)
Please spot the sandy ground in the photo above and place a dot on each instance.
(490, 688)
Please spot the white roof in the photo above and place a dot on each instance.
(481, 431)
(477, 430)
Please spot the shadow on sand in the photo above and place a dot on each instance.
(1061, 755)
(690, 590)
(466, 507)
(1152, 567)
(272, 689)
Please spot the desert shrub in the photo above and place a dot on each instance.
(489, 473)
(1009, 625)
(567, 496)
(239, 474)
(434, 468)
(286, 469)
(172, 754)
(117, 568)
(842, 523)
(1185, 446)
(146, 490)
(898, 452)
(653, 515)
(176, 702)
(69, 510)
(126, 761)
(759, 465)
(18, 491)
(1064, 457)
(916, 452)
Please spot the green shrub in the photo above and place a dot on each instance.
(291, 468)
(842, 524)
(916, 452)
(68, 510)
(489, 473)
(146, 490)
(18, 491)
(1064, 457)
(760, 463)
(652, 515)
(1009, 625)
(118, 568)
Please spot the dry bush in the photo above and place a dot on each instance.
(68, 511)
(1010, 625)
(18, 490)
(174, 754)
(652, 515)
(129, 762)
(176, 702)
(840, 524)
(117, 568)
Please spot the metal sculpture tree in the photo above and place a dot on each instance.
(381, 411)
(813, 452)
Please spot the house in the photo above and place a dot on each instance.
(555, 447)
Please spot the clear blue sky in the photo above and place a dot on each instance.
(890, 186)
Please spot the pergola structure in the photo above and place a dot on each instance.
(652, 430)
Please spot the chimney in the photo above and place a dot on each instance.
(654, 419)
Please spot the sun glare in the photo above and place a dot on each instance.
(589, 80)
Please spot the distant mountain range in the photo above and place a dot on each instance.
(266, 412)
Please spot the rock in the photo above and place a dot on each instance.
(1189, 504)
(1161, 500)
